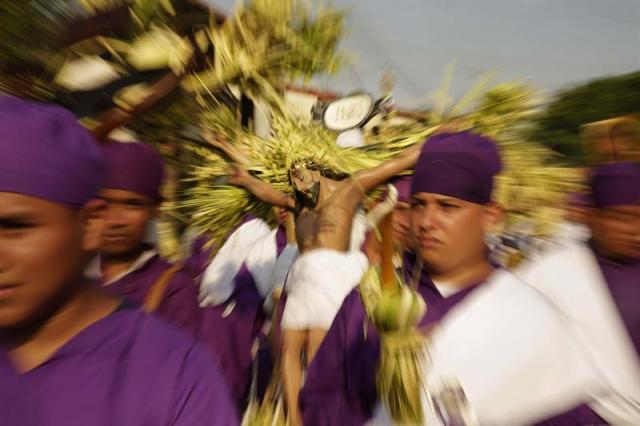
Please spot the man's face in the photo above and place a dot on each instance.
(44, 248)
(449, 233)
(616, 231)
(624, 138)
(402, 224)
(599, 144)
(576, 214)
(126, 220)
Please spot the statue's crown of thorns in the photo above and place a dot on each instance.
(306, 164)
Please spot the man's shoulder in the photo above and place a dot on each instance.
(141, 333)
(560, 271)
(509, 285)
(506, 311)
(170, 366)
(506, 297)
(559, 258)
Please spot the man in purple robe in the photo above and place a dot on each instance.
(70, 354)
(450, 212)
(198, 256)
(231, 327)
(128, 266)
(616, 240)
(597, 286)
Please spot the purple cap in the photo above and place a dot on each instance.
(460, 165)
(45, 153)
(135, 167)
(580, 199)
(616, 184)
(403, 185)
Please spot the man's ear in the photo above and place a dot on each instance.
(155, 208)
(494, 215)
(93, 221)
(591, 216)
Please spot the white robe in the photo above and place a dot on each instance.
(507, 351)
(319, 281)
(568, 232)
(572, 280)
(217, 281)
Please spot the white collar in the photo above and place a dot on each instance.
(93, 271)
(446, 289)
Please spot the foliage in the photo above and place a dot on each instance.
(558, 127)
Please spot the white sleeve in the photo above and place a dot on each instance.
(510, 355)
(376, 214)
(280, 273)
(217, 281)
(261, 261)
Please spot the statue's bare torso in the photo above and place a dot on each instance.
(328, 224)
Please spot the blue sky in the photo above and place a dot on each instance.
(550, 43)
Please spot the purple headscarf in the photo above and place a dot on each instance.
(45, 153)
(616, 184)
(135, 167)
(461, 165)
(403, 185)
(580, 199)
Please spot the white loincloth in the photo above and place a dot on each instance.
(318, 282)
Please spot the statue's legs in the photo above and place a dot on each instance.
(316, 336)
(293, 346)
